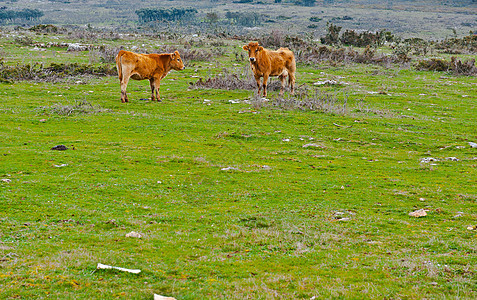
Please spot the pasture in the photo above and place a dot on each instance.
(235, 197)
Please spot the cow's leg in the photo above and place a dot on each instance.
(259, 84)
(124, 85)
(153, 89)
(291, 82)
(282, 77)
(157, 84)
(265, 81)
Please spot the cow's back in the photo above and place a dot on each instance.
(281, 60)
(144, 65)
(288, 57)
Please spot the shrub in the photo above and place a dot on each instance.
(52, 73)
(455, 66)
(165, 14)
(368, 56)
(48, 28)
(227, 80)
(80, 107)
(354, 38)
(332, 35)
(467, 44)
(188, 54)
(307, 99)
(23, 40)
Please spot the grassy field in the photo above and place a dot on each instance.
(236, 198)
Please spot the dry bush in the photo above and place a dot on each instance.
(466, 67)
(83, 35)
(105, 54)
(240, 79)
(465, 45)
(23, 40)
(455, 66)
(45, 28)
(306, 99)
(188, 54)
(80, 107)
(228, 80)
(53, 73)
(368, 56)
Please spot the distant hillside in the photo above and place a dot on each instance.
(421, 18)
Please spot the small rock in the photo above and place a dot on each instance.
(428, 159)
(229, 169)
(6, 180)
(42, 120)
(313, 145)
(285, 140)
(134, 234)
(60, 166)
(344, 219)
(473, 145)
(159, 297)
(60, 148)
(452, 158)
(474, 227)
(418, 213)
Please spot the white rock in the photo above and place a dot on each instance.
(134, 271)
(229, 169)
(60, 166)
(473, 145)
(452, 158)
(159, 297)
(428, 159)
(134, 234)
(312, 145)
(418, 213)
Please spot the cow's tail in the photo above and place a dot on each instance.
(119, 65)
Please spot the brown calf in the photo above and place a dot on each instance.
(146, 66)
(267, 63)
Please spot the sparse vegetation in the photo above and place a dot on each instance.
(165, 14)
(54, 72)
(80, 107)
(456, 66)
(305, 196)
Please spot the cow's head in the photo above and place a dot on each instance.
(176, 61)
(253, 50)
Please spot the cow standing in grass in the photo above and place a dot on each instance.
(146, 66)
(266, 63)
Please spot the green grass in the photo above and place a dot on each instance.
(271, 227)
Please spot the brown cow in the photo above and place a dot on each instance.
(146, 66)
(267, 63)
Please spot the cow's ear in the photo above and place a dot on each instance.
(260, 48)
(176, 53)
(173, 55)
(246, 48)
